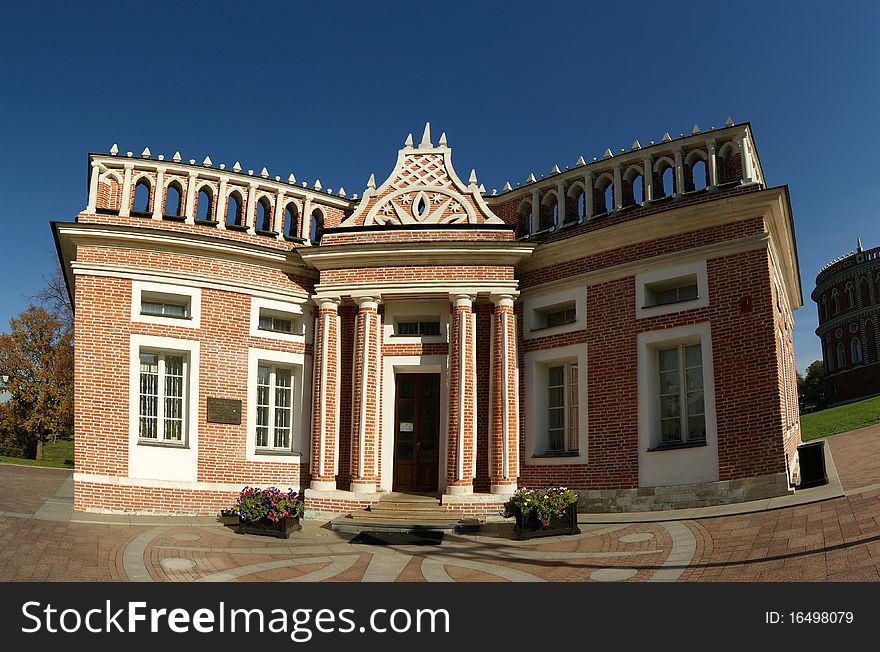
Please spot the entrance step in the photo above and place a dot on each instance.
(397, 512)
(355, 523)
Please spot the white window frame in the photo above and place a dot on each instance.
(295, 311)
(537, 364)
(566, 407)
(682, 394)
(407, 311)
(673, 465)
(155, 460)
(695, 270)
(271, 426)
(192, 295)
(301, 428)
(161, 438)
(538, 302)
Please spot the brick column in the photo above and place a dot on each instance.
(504, 444)
(460, 460)
(365, 399)
(325, 426)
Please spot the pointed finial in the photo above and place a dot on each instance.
(636, 144)
(426, 137)
(176, 157)
(666, 138)
(264, 173)
(696, 129)
(472, 180)
(341, 192)
(728, 122)
(607, 153)
(371, 183)
(146, 152)
(442, 142)
(507, 187)
(531, 178)
(555, 170)
(115, 149)
(291, 178)
(859, 247)
(236, 167)
(482, 189)
(409, 141)
(317, 185)
(580, 161)
(207, 162)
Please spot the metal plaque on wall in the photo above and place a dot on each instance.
(224, 410)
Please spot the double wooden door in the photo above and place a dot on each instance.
(416, 432)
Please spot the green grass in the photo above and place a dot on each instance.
(59, 454)
(840, 419)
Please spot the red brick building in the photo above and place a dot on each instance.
(847, 295)
(622, 327)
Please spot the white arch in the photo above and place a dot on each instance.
(658, 164)
(109, 174)
(606, 176)
(632, 172)
(696, 154)
(728, 149)
(575, 188)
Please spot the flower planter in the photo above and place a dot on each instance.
(266, 527)
(530, 527)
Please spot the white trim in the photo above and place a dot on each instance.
(119, 481)
(695, 269)
(412, 364)
(164, 462)
(301, 398)
(293, 309)
(536, 363)
(410, 310)
(192, 294)
(679, 465)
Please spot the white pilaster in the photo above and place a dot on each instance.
(647, 180)
(222, 200)
(158, 193)
(679, 174)
(560, 203)
(618, 189)
(93, 187)
(535, 226)
(190, 198)
(588, 195)
(125, 208)
(249, 216)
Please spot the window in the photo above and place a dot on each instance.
(680, 390)
(172, 199)
(280, 322)
(830, 359)
(836, 300)
(162, 400)
(855, 349)
(418, 328)
(141, 202)
(841, 356)
(556, 316)
(850, 296)
(562, 408)
(671, 291)
(156, 304)
(274, 407)
(204, 210)
(264, 215)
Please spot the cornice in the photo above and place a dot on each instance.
(397, 254)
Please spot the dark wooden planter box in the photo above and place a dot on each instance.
(281, 529)
(530, 527)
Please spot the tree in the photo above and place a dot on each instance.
(37, 356)
(811, 388)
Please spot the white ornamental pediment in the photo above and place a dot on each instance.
(422, 205)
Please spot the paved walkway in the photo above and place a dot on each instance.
(836, 537)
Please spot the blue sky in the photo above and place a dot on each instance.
(329, 90)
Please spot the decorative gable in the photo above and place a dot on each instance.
(423, 189)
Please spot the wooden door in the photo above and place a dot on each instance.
(416, 432)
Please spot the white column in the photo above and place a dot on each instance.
(249, 216)
(190, 198)
(93, 187)
(560, 203)
(647, 180)
(306, 219)
(618, 189)
(278, 222)
(746, 159)
(713, 164)
(679, 174)
(125, 209)
(588, 195)
(158, 208)
(535, 226)
(221, 204)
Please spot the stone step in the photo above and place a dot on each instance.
(400, 506)
(428, 517)
(352, 523)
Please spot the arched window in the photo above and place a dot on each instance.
(291, 220)
(580, 204)
(850, 296)
(855, 350)
(524, 212)
(865, 291)
(824, 309)
(835, 300)
(234, 210)
(204, 208)
(172, 199)
(699, 175)
(829, 359)
(841, 356)
(604, 195)
(316, 228)
(664, 178)
(727, 164)
(141, 202)
(264, 215)
(549, 212)
(632, 187)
